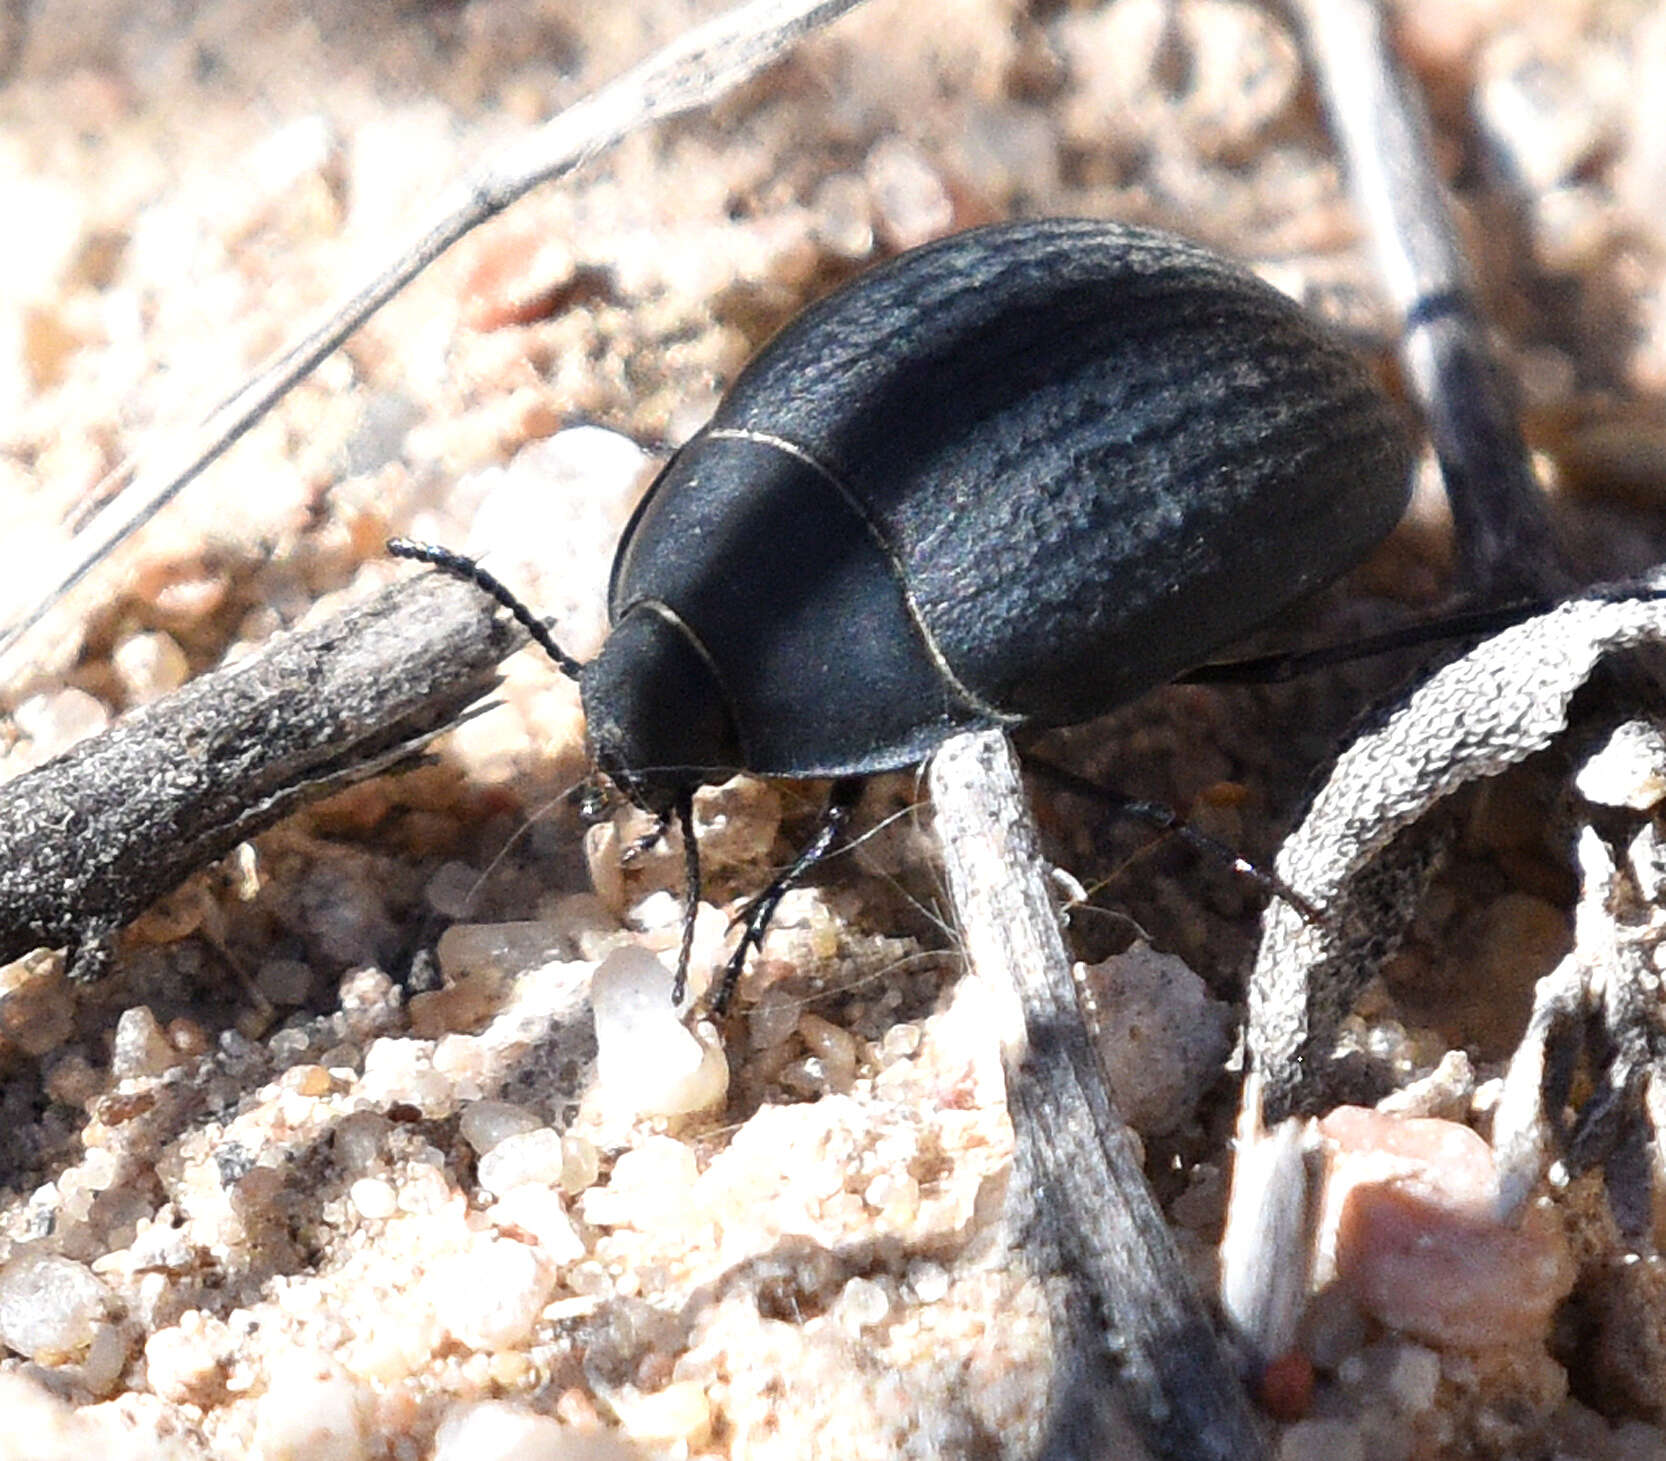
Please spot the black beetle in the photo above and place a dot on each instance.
(1017, 476)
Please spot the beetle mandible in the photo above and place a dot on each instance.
(1016, 476)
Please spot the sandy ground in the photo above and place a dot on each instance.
(246, 1187)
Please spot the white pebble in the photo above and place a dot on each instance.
(662, 1164)
(544, 511)
(647, 1063)
(650, 1184)
(401, 1072)
(863, 1304)
(149, 666)
(540, 1214)
(659, 910)
(374, 1198)
(484, 1124)
(491, 1296)
(105, 1360)
(930, 1281)
(311, 1413)
(680, 1415)
(140, 1047)
(1414, 1377)
(55, 722)
(581, 1164)
(843, 217)
(466, 950)
(496, 1431)
(50, 1307)
(1321, 1440)
(1628, 770)
(529, 1157)
(908, 195)
(183, 1362)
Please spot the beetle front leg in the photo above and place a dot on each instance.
(760, 911)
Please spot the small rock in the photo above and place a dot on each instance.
(286, 982)
(311, 1412)
(183, 1363)
(540, 517)
(359, 1140)
(50, 1307)
(401, 1072)
(375, 1199)
(909, 198)
(484, 1124)
(862, 1304)
(651, 1184)
(843, 216)
(1414, 1378)
(1628, 770)
(473, 950)
(149, 666)
(141, 1048)
(678, 1413)
(581, 1164)
(491, 1296)
(1408, 1223)
(452, 889)
(1161, 1037)
(647, 1062)
(105, 1360)
(736, 821)
(1321, 1440)
(496, 1431)
(54, 722)
(536, 1157)
(540, 1214)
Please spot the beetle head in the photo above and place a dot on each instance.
(658, 718)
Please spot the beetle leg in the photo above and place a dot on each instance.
(1166, 819)
(639, 845)
(691, 887)
(761, 910)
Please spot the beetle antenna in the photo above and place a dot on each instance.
(691, 889)
(459, 565)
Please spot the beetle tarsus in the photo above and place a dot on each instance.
(651, 838)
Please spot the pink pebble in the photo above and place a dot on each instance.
(1409, 1220)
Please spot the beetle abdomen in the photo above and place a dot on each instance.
(1092, 455)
